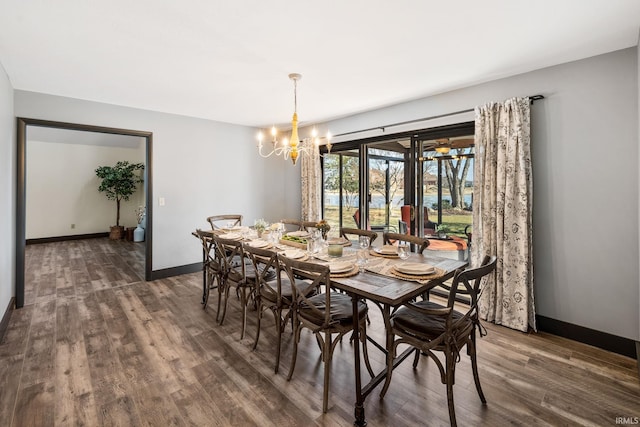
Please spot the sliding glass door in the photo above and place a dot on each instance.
(403, 183)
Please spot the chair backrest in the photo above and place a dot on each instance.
(421, 242)
(208, 246)
(216, 221)
(346, 232)
(407, 215)
(356, 217)
(305, 276)
(468, 282)
(308, 225)
(230, 254)
(264, 261)
(292, 224)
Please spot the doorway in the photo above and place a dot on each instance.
(23, 126)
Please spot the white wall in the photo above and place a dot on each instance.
(62, 189)
(7, 192)
(200, 167)
(585, 167)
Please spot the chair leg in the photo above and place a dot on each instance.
(258, 322)
(243, 303)
(326, 357)
(296, 338)
(224, 304)
(474, 367)
(450, 375)
(416, 358)
(278, 316)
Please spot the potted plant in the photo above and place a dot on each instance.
(260, 225)
(119, 182)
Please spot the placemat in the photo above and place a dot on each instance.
(418, 278)
(391, 256)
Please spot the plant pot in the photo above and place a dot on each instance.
(129, 233)
(117, 232)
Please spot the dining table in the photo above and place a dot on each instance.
(381, 281)
(382, 284)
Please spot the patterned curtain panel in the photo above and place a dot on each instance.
(502, 210)
(311, 177)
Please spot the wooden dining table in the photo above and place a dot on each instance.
(378, 284)
(387, 291)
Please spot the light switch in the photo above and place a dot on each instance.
(161, 201)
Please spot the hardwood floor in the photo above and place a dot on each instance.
(95, 345)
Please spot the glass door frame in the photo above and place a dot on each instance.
(414, 178)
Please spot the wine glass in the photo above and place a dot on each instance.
(363, 242)
(403, 250)
(362, 258)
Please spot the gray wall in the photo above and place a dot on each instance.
(585, 165)
(7, 192)
(200, 167)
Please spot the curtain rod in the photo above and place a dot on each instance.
(439, 116)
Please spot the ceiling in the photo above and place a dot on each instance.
(229, 61)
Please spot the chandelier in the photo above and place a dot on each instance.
(293, 147)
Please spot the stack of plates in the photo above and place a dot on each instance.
(387, 250)
(294, 253)
(415, 268)
(340, 267)
(258, 243)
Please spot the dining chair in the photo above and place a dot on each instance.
(421, 242)
(324, 313)
(235, 273)
(347, 232)
(430, 327)
(270, 293)
(210, 264)
(224, 221)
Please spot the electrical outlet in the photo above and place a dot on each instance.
(73, 226)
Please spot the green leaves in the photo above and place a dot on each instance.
(119, 181)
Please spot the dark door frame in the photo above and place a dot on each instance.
(22, 124)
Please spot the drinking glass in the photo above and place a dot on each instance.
(403, 250)
(364, 242)
(362, 259)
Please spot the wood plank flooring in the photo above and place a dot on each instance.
(95, 345)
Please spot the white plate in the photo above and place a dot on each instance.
(340, 267)
(300, 233)
(294, 253)
(415, 268)
(231, 236)
(258, 243)
(387, 250)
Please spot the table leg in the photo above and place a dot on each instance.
(359, 408)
